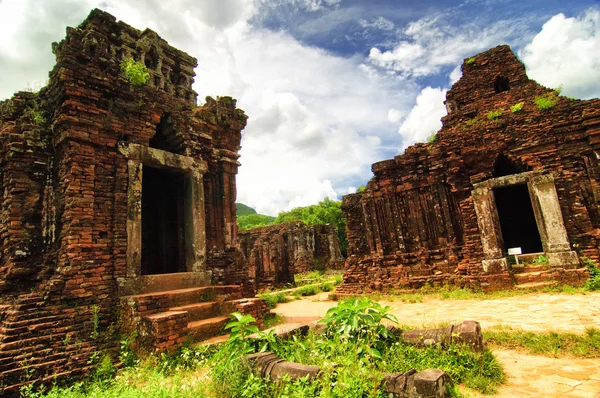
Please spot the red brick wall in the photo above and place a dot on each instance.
(415, 223)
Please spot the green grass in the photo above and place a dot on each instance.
(456, 293)
(551, 344)
(272, 299)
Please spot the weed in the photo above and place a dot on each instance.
(593, 282)
(541, 260)
(105, 370)
(326, 287)
(338, 279)
(309, 290)
(517, 107)
(495, 115)
(274, 298)
(95, 322)
(473, 122)
(135, 72)
(431, 138)
(470, 61)
(545, 102)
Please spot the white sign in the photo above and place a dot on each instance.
(514, 250)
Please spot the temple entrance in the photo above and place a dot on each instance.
(517, 219)
(163, 230)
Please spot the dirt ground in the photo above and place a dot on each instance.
(528, 375)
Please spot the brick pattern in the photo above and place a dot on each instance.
(64, 210)
(416, 224)
(277, 252)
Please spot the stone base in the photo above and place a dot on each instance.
(163, 282)
(566, 259)
(495, 266)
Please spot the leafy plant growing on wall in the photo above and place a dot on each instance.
(470, 61)
(135, 72)
(517, 107)
(495, 114)
(547, 101)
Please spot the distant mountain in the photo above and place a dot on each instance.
(243, 210)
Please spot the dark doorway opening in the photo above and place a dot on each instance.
(517, 220)
(163, 240)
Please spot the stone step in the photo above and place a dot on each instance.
(206, 328)
(534, 285)
(200, 311)
(529, 277)
(181, 297)
(521, 269)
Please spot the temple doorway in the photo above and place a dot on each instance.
(163, 228)
(517, 219)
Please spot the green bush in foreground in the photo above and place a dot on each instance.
(345, 353)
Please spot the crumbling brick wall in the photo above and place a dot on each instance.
(64, 209)
(278, 252)
(417, 223)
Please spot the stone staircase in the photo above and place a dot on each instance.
(532, 276)
(165, 319)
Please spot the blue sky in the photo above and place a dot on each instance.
(330, 86)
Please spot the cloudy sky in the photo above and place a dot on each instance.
(330, 86)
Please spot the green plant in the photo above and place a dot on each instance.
(239, 330)
(95, 322)
(361, 189)
(135, 72)
(473, 122)
(431, 138)
(105, 370)
(593, 282)
(517, 107)
(547, 101)
(470, 61)
(495, 114)
(357, 318)
(273, 299)
(127, 355)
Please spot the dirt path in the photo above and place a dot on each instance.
(529, 375)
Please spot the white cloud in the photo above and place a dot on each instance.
(434, 42)
(425, 117)
(567, 52)
(377, 23)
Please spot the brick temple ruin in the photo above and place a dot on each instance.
(494, 178)
(118, 207)
(278, 252)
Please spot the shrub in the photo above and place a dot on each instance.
(470, 61)
(547, 101)
(593, 282)
(494, 115)
(135, 72)
(517, 107)
(309, 290)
